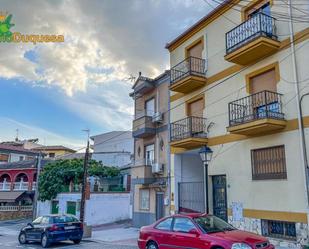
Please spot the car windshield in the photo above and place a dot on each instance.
(212, 224)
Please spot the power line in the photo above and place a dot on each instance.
(219, 83)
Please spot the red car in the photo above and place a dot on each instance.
(198, 231)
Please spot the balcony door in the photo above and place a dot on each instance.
(150, 107)
(264, 104)
(196, 108)
(149, 154)
(195, 50)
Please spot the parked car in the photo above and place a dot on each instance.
(52, 228)
(198, 231)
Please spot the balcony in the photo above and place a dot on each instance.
(143, 125)
(189, 133)
(141, 173)
(5, 186)
(21, 186)
(188, 75)
(252, 40)
(257, 114)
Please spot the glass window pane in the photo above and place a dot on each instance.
(165, 224)
(183, 225)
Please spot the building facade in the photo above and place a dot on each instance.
(233, 89)
(151, 161)
(54, 151)
(113, 148)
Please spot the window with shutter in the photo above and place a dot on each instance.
(268, 163)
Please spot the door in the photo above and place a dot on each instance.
(159, 205)
(149, 156)
(71, 207)
(182, 236)
(196, 50)
(55, 207)
(196, 108)
(150, 107)
(191, 197)
(219, 196)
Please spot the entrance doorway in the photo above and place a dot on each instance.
(159, 205)
(219, 196)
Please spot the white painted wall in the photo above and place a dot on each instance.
(102, 208)
(113, 148)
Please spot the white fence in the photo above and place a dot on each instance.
(15, 208)
(5, 186)
(21, 186)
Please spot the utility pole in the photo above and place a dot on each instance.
(36, 193)
(85, 176)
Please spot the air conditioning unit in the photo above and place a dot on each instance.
(157, 168)
(157, 117)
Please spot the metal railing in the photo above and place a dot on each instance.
(15, 208)
(5, 186)
(257, 106)
(189, 66)
(34, 186)
(21, 186)
(258, 25)
(188, 127)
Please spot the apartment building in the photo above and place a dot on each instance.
(151, 149)
(233, 89)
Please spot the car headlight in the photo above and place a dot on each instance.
(240, 246)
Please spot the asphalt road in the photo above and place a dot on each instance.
(9, 232)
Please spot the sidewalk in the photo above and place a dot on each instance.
(116, 233)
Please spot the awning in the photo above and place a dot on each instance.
(10, 196)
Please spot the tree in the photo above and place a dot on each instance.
(58, 174)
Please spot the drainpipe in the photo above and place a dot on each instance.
(299, 110)
(169, 179)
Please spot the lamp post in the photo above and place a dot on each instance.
(206, 155)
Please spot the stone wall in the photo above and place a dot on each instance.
(12, 215)
(254, 226)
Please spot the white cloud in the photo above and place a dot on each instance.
(105, 42)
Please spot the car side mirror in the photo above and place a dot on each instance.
(194, 232)
(30, 224)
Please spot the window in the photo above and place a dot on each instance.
(213, 224)
(165, 224)
(183, 225)
(262, 6)
(268, 163)
(144, 199)
(195, 107)
(264, 81)
(150, 107)
(278, 229)
(45, 220)
(51, 154)
(149, 154)
(21, 158)
(38, 220)
(4, 158)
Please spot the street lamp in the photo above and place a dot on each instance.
(206, 155)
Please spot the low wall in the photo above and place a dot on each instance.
(101, 208)
(12, 215)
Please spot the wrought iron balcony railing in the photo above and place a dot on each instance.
(257, 26)
(189, 66)
(257, 106)
(190, 127)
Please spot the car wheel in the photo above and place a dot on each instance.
(152, 245)
(22, 238)
(44, 241)
(76, 241)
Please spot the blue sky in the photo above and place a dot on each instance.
(53, 91)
